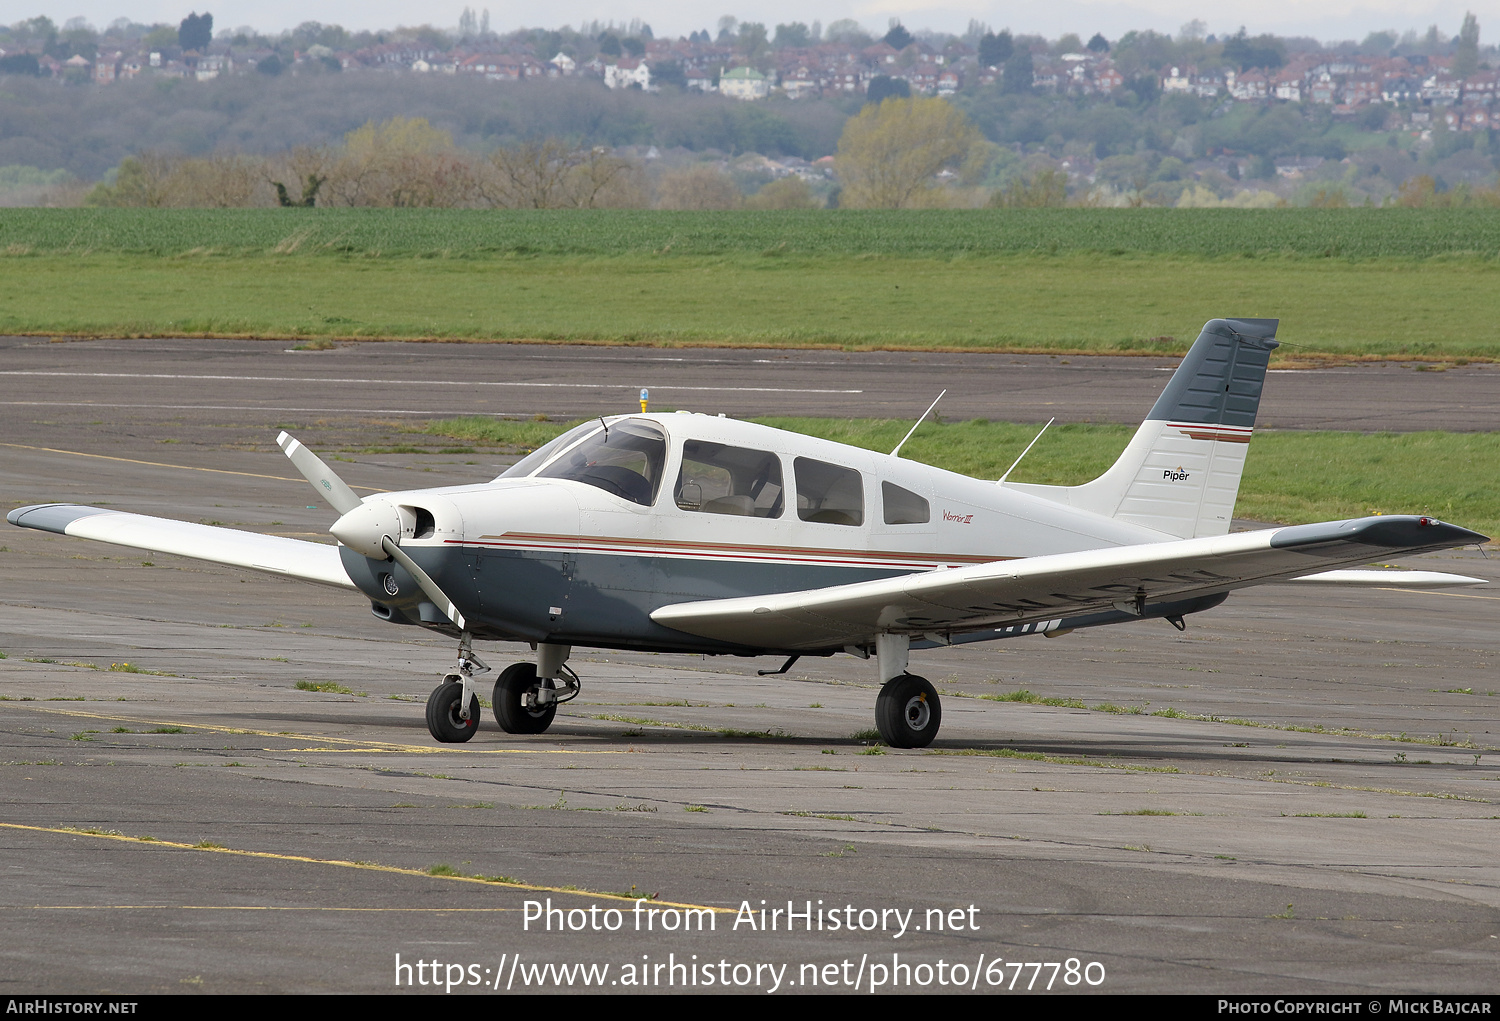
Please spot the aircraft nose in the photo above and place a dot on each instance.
(363, 527)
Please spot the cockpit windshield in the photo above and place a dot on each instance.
(626, 459)
(541, 455)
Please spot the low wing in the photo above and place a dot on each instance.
(1014, 592)
(271, 554)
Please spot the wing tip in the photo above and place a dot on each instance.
(51, 517)
(1389, 531)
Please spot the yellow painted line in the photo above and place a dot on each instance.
(1431, 592)
(364, 866)
(349, 744)
(425, 750)
(183, 467)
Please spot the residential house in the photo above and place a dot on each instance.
(211, 66)
(1177, 80)
(1441, 88)
(107, 67)
(628, 74)
(1323, 89)
(745, 83)
(1107, 78)
(1251, 85)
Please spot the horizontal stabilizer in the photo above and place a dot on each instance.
(269, 554)
(1390, 579)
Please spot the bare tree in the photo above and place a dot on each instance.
(530, 176)
(401, 162)
(700, 187)
(219, 181)
(552, 175)
(604, 180)
(308, 167)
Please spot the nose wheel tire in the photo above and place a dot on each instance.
(511, 710)
(908, 712)
(443, 718)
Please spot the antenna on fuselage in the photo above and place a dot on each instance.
(1012, 468)
(919, 422)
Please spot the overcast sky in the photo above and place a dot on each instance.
(1327, 20)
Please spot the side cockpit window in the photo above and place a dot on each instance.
(719, 479)
(828, 493)
(903, 507)
(625, 460)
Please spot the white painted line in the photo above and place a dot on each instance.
(425, 382)
(276, 409)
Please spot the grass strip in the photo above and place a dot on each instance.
(1439, 308)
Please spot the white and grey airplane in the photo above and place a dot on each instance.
(698, 533)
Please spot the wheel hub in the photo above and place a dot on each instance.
(455, 714)
(918, 712)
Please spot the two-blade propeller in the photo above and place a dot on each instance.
(372, 528)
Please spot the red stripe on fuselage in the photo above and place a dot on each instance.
(722, 551)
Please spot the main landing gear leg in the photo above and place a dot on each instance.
(527, 695)
(907, 711)
(453, 706)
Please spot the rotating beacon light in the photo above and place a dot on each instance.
(645, 399)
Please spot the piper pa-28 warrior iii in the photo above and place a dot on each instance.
(695, 533)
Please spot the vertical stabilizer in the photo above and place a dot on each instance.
(1181, 472)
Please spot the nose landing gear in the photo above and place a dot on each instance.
(453, 706)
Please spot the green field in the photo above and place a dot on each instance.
(1355, 234)
(1290, 477)
(1345, 283)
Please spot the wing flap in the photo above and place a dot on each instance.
(270, 554)
(1012, 592)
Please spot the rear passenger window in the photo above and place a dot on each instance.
(717, 479)
(828, 493)
(903, 507)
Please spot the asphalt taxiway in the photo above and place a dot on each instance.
(1298, 794)
(143, 381)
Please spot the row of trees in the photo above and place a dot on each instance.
(402, 162)
(406, 162)
(901, 153)
(897, 154)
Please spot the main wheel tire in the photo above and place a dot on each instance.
(908, 712)
(511, 712)
(443, 706)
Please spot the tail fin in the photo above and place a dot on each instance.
(1181, 472)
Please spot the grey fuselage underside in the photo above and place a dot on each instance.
(510, 595)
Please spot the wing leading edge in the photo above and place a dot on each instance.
(1014, 592)
(269, 554)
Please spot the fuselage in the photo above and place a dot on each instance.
(579, 543)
